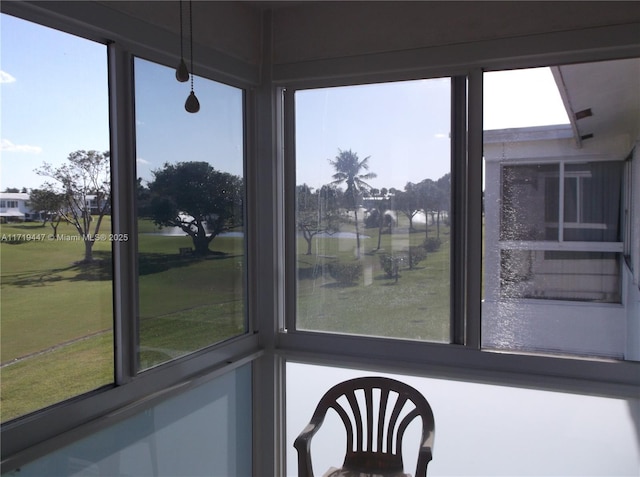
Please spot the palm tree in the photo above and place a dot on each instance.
(349, 170)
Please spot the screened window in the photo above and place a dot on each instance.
(554, 208)
(56, 307)
(190, 196)
(373, 204)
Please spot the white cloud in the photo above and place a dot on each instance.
(8, 146)
(441, 136)
(142, 161)
(6, 77)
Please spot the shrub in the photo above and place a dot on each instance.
(371, 220)
(345, 273)
(391, 264)
(416, 255)
(432, 244)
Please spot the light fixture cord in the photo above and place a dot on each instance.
(191, 39)
(181, 33)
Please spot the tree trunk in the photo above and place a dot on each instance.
(355, 214)
(426, 227)
(88, 251)
(200, 244)
(308, 244)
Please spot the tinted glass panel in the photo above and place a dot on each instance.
(191, 259)
(56, 307)
(373, 208)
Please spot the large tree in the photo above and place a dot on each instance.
(85, 182)
(317, 211)
(50, 204)
(351, 171)
(199, 199)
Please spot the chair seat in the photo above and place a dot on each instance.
(335, 472)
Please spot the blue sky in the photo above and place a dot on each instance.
(403, 127)
(55, 101)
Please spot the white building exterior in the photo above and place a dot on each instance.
(14, 206)
(562, 222)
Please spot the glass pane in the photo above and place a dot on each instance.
(500, 430)
(190, 214)
(529, 203)
(56, 307)
(373, 204)
(216, 417)
(553, 268)
(594, 197)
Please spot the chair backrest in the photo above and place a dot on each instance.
(376, 412)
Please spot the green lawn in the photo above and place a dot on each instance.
(57, 338)
(414, 307)
(57, 317)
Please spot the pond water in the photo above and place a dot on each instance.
(178, 232)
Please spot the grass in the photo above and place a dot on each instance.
(57, 339)
(57, 316)
(414, 307)
(52, 377)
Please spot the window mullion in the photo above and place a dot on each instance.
(474, 185)
(459, 167)
(123, 216)
(561, 204)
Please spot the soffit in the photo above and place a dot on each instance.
(611, 90)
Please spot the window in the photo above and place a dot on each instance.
(373, 195)
(56, 307)
(587, 210)
(554, 227)
(191, 259)
(163, 343)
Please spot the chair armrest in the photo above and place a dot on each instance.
(424, 456)
(303, 446)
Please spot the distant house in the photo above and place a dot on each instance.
(14, 207)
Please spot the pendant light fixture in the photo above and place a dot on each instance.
(192, 105)
(182, 73)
